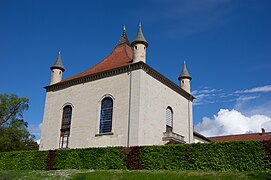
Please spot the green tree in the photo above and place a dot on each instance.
(11, 108)
(13, 129)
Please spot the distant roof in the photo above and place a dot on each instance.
(121, 56)
(242, 137)
(185, 73)
(58, 63)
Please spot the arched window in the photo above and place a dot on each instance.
(106, 115)
(65, 127)
(169, 119)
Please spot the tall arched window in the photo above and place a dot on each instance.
(106, 115)
(169, 119)
(65, 127)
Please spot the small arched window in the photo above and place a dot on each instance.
(169, 119)
(106, 115)
(65, 126)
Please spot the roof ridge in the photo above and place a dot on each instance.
(131, 58)
(118, 57)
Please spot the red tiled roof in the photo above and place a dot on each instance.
(121, 56)
(242, 137)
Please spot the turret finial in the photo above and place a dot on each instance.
(140, 37)
(123, 38)
(185, 73)
(58, 63)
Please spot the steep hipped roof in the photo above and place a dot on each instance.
(242, 137)
(140, 37)
(58, 63)
(184, 73)
(121, 56)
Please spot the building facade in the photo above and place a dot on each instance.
(119, 102)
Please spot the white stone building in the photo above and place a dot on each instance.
(121, 101)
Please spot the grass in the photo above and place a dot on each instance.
(131, 175)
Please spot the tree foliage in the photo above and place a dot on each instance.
(13, 129)
(11, 108)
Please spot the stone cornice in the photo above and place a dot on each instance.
(120, 70)
(196, 134)
(155, 74)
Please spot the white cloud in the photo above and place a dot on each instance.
(204, 91)
(228, 122)
(260, 89)
(246, 98)
(35, 130)
(209, 95)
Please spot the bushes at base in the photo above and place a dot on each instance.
(90, 158)
(23, 160)
(164, 157)
(226, 156)
(234, 156)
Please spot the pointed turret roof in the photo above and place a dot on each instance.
(58, 63)
(123, 38)
(140, 37)
(184, 73)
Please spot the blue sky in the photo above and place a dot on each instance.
(226, 45)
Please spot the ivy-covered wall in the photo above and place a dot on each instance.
(225, 156)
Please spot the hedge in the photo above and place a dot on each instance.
(225, 156)
(23, 160)
(90, 158)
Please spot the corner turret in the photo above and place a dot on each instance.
(57, 69)
(185, 79)
(139, 46)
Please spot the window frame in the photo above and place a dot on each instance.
(169, 126)
(65, 126)
(109, 112)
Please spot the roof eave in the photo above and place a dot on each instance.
(120, 70)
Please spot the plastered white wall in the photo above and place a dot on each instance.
(149, 100)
